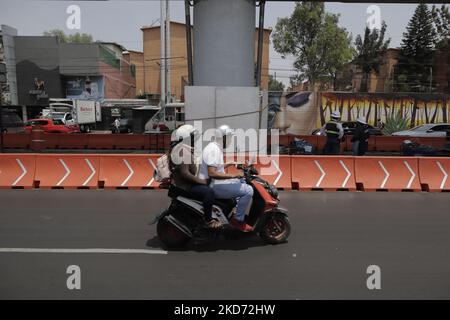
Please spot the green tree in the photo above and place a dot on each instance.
(313, 37)
(274, 84)
(370, 53)
(416, 56)
(71, 38)
(441, 19)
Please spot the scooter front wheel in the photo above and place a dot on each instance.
(276, 229)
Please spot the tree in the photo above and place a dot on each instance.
(71, 38)
(416, 55)
(370, 53)
(441, 19)
(275, 85)
(314, 38)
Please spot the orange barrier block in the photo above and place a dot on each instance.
(50, 140)
(67, 171)
(323, 173)
(17, 170)
(135, 141)
(276, 170)
(387, 173)
(16, 140)
(433, 173)
(73, 141)
(436, 142)
(101, 141)
(389, 143)
(128, 171)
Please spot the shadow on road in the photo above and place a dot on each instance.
(237, 243)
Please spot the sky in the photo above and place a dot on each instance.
(120, 21)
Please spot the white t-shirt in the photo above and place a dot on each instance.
(212, 156)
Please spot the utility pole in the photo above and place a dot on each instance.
(163, 55)
(168, 82)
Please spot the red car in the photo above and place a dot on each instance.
(51, 126)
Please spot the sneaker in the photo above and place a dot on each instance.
(241, 225)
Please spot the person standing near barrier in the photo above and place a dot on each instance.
(360, 139)
(334, 132)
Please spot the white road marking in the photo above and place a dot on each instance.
(413, 174)
(130, 175)
(92, 174)
(67, 172)
(24, 172)
(93, 250)
(323, 173)
(154, 167)
(444, 180)
(279, 171)
(349, 174)
(386, 175)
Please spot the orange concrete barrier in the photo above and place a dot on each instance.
(389, 143)
(433, 174)
(128, 171)
(322, 173)
(67, 171)
(387, 173)
(16, 140)
(275, 170)
(51, 140)
(17, 170)
(135, 141)
(101, 141)
(73, 141)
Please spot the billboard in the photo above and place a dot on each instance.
(87, 88)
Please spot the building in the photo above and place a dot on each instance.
(150, 59)
(8, 57)
(46, 69)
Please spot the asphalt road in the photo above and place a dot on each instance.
(335, 237)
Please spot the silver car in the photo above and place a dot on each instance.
(426, 130)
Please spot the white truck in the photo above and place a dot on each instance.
(85, 113)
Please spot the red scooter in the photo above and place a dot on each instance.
(184, 219)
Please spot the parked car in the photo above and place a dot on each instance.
(125, 126)
(349, 128)
(11, 121)
(52, 126)
(426, 130)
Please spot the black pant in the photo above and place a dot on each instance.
(206, 195)
(332, 147)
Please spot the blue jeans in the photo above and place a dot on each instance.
(242, 191)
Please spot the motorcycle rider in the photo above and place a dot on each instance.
(225, 185)
(334, 132)
(185, 171)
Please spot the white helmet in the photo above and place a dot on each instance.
(336, 115)
(183, 132)
(361, 120)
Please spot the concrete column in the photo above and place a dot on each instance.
(224, 43)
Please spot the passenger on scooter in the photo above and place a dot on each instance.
(226, 186)
(185, 171)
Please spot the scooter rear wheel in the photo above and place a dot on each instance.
(276, 229)
(170, 235)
